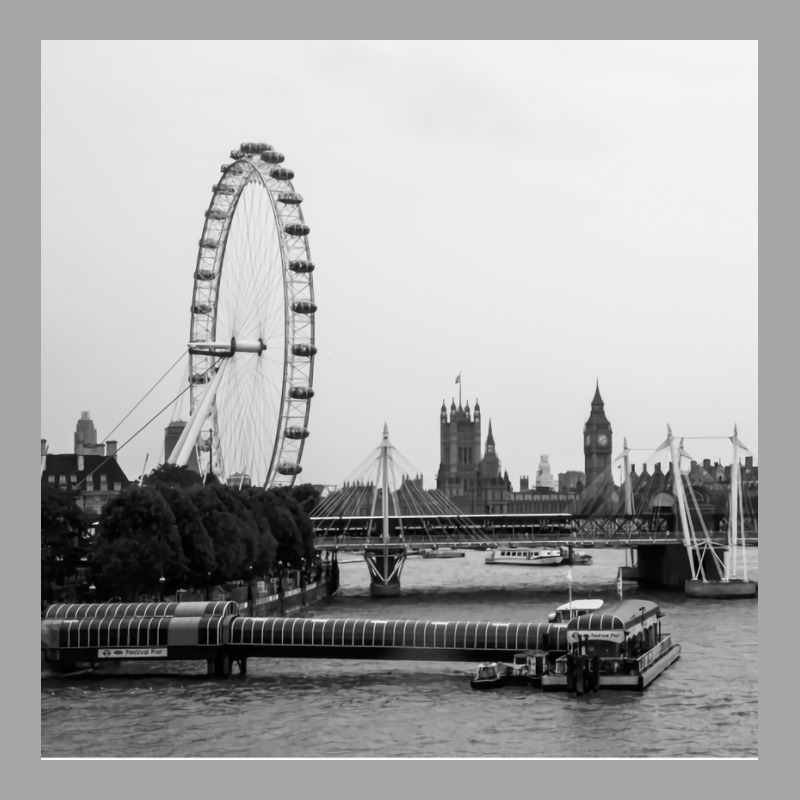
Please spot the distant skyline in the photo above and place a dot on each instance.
(535, 216)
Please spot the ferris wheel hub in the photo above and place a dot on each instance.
(227, 349)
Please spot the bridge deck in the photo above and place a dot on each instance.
(623, 531)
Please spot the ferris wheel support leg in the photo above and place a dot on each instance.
(183, 449)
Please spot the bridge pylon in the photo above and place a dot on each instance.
(385, 563)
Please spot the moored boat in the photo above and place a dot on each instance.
(526, 669)
(437, 553)
(575, 557)
(621, 646)
(489, 675)
(524, 557)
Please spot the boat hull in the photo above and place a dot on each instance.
(441, 554)
(545, 562)
(721, 590)
(555, 682)
(483, 685)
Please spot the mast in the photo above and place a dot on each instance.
(385, 496)
(736, 481)
(741, 528)
(626, 466)
(680, 495)
(733, 520)
(385, 480)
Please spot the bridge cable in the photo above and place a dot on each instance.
(180, 358)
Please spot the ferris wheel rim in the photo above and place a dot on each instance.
(254, 166)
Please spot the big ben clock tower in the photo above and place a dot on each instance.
(597, 446)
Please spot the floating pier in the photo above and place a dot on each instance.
(90, 634)
(621, 646)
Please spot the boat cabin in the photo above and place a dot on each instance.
(575, 608)
(625, 629)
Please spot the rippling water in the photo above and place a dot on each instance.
(704, 705)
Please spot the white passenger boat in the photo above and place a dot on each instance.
(620, 646)
(526, 557)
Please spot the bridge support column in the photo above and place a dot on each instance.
(385, 563)
(666, 566)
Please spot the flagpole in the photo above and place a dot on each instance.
(569, 581)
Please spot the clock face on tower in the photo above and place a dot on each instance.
(602, 440)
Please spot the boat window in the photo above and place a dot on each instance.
(601, 648)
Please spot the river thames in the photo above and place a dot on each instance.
(704, 706)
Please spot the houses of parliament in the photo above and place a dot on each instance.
(473, 480)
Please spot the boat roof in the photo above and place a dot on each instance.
(623, 614)
(587, 604)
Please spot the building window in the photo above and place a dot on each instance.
(51, 479)
(103, 483)
(117, 486)
(62, 480)
(73, 478)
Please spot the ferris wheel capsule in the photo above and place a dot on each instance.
(254, 148)
(306, 350)
(281, 173)
(287, 468)
(303, 307)
(297, 229)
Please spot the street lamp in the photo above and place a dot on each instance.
(250, 593)
(161, 581)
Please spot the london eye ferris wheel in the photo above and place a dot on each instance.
(251, 342)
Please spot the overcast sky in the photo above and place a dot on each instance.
(537, 216)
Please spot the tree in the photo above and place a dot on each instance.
(198, 546)
(260, 506)
(137, 544)
(231, 527)
(173, 475)
(306, 494)
(65, 544)
(291, 526)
